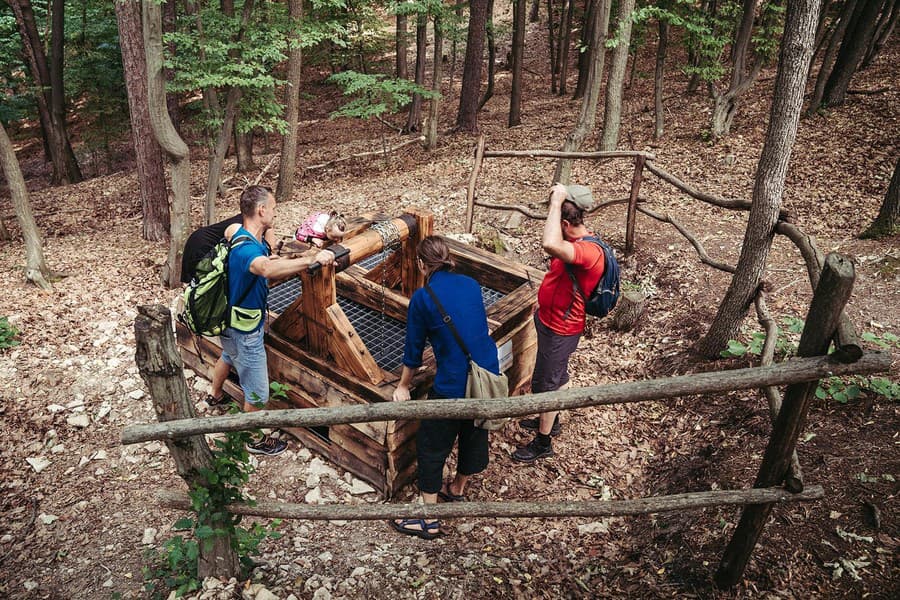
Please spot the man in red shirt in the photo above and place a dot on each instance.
(559, 319)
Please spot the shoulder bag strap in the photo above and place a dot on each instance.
(446, 318)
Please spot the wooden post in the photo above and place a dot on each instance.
(632, 203)
(411, 278)
(828, 302)
(318, 294)
(160, 366)
(470, 190)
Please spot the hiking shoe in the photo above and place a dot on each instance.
(225, 400)
(268, 446)
(535, 423)
(532, 451)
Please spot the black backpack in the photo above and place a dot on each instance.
(604, 297)
(207, 308)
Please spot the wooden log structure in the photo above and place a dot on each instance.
(328, 360)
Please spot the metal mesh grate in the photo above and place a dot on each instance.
(384, 336)
(374, 260)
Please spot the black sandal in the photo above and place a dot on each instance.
(448, 496)
(426, 528)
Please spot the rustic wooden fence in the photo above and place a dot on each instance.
(161, 368)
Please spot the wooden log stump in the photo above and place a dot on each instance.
(628, 311)
(161, 368)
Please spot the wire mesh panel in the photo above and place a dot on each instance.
(384, 336)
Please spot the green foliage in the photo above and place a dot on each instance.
(374, 95)
(174, 567)
(17, 101)
(8, 333)
(835, 388)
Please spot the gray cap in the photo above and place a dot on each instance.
(580, 196)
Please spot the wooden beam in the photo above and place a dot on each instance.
(411, 278)
(792, 371)
(453, 510)
(352, 284)
(348, 349)
(318, 294)
(561, 154)
(473, 178)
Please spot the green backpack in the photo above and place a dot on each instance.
(206, 306)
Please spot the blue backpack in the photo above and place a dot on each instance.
(604, 297)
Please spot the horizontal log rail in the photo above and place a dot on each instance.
(561, 154)
(792, 371)
(450, 510)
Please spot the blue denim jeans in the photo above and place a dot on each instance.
(247, 354)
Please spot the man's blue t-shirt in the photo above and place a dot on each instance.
(240, 280)
(461, 297)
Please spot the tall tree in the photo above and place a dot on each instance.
(469, 96)
(433, 121)
(888, 220)
(401, 47)
(612, 113)
(148, 155)
(414, 116)
(62, 157)
(658, 78)
(564, 39)
(839, 29)
(587, 116)
(883, 30)
(36, 269)
(287, 169)
(518, 54)
(492, 55)
(790, 82)
(853, 49)
(168, 139)
(584, 56)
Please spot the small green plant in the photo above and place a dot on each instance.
(8, 333)
(785, 344)
(174, 567)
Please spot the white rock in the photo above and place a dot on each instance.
(57, 449)
(136, 394)
(358, 487)
(322, 594)
(318, 466)
(7, 538)
(265, 594)
(313, 480)
(313, 496)
(358, 572)
(188, 373)
(108, 582)
(78, 401)
(593, 527)
(47, 519)
(55, 408)
(84, 460)
(325, 556)
(38, 463)
(99, 455)
(150, 537)
(104, 410)
(304, 454)
(30, 585)
(80, 420)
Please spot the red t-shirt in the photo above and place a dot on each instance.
(557, 293)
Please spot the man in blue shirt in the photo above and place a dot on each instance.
(249, 268)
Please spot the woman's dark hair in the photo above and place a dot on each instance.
(252, 197)
(434, 254)
(571, 213)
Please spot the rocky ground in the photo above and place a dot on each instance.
(78, 513)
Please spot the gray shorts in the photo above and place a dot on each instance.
(551, 367)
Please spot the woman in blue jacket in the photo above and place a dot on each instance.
(460, 297)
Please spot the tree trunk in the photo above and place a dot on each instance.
(588, 113)
(243, 148)
(65, 168)
(612, 113)
(170, 22)
(492, 55)
(888, 220)
(562, 55)
(535, 14)
(147, 153)
(467, 117)
(414, 118)
(726, 102)
(834, 42)
(584, 57)
(852, 51)
(434, 107)
(882, 31)
(168, 139)
(287, 168)
(57, 89)
(551, 42)
(658, 78)
(790, 81)
(36, 269)
(518, 54)
(401, 45)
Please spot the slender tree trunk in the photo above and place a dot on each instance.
(790, 82)
(518, 54)
(287, 168)
(36, 269)
(57, 89)
(588, 114)
(852, 51)
(882, 31)
(414, 117)
(834, 42)
(467, 116)
(492, 55)
(888, 220)
(551, 42)
(562, 54)
(168, 139)
(658, 78)
(535, 14)
(170, 22)
(148, 155)
(243, 147)
(584, 57)
(401, 45)
(434, 106)
(726, 102)
(612, 113)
